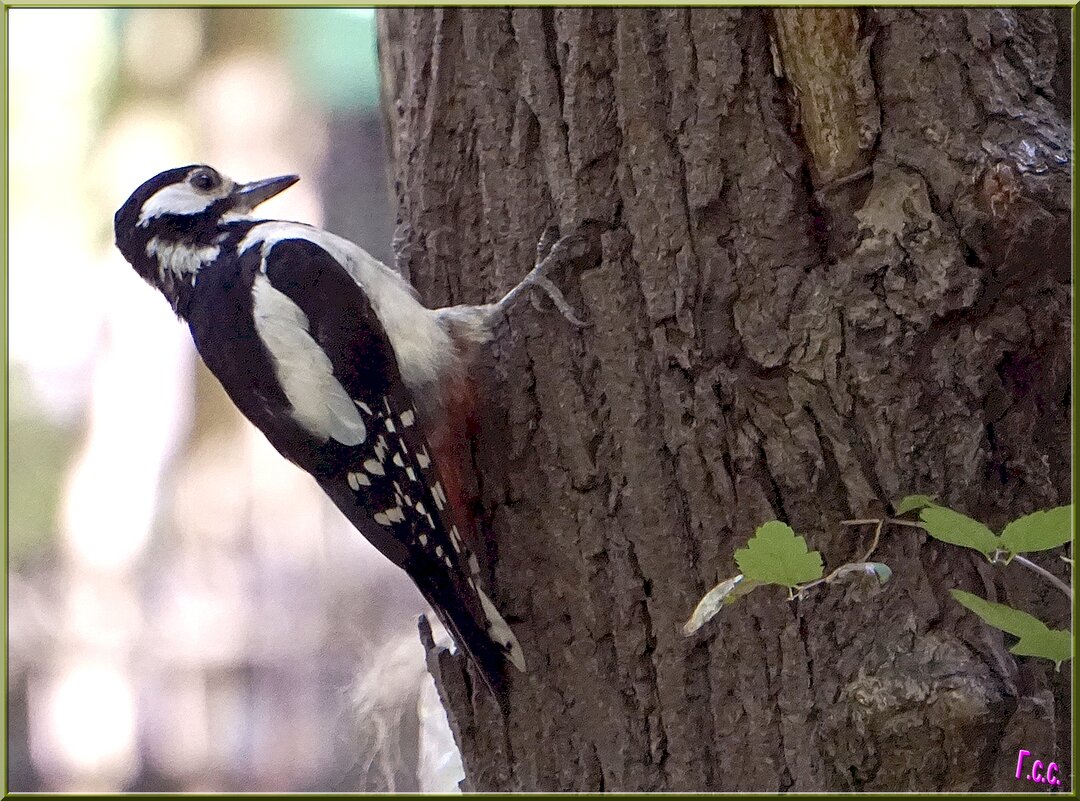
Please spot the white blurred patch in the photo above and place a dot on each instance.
(57, 62)
(138, 411)
(441, 770)
(138, 143)
(287, 508)
(162, 45)
(255, 92)
(396, 680)
(87, 729)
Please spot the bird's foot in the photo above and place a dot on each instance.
(581, 245)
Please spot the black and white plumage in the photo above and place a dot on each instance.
(329, 353)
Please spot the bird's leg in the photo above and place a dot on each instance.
(471, 326)
(544, 245)
(580, 245)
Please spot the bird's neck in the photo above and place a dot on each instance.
(173, 265)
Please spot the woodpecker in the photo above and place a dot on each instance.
(331, 355)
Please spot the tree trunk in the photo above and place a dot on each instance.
(835, 272)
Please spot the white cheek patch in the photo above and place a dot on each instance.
(175, 199)
(320, 404)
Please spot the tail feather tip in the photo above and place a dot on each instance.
(502, 634)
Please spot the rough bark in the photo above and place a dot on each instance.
(834, 274)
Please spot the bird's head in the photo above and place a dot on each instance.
(171, 225)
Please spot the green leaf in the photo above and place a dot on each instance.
(954, 528)
(1036, 639)
(910, 503)
(1039, 531)
(775, 555)
(1000, 616)
(1053, 644)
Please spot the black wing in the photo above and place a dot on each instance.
(387, 485)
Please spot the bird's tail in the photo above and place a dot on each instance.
(483, 634)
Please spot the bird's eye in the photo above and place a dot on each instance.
(204, 180)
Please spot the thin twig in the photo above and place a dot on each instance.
(793, 593)
(831, 576)
(874, 544)
(1046, 574)
(880, 522)
(873, 521)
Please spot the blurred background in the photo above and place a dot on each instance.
(186, 610)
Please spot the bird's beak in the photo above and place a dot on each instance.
(248, 196)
